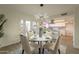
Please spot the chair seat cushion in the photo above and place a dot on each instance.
(49, 46)
(34, 46)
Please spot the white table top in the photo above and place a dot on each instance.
(43, 38)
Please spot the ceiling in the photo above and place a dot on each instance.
(32, 9)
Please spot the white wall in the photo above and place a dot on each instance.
(12, 27)
(76, 29)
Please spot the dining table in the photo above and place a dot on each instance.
(40, 40)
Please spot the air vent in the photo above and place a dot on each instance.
(63, 14)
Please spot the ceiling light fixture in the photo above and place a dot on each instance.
(41, 5)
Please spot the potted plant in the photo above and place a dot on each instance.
(2, 21)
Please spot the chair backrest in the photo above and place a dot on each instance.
(56, 45)
(55, 35)
(25, 44)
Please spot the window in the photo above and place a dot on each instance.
(22, 22)
(28, 25)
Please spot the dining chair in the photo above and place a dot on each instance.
(27, 47)
(52, 47)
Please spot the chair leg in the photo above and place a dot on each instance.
(39, 50)
(22, 51)
(43, 51)
(59, 51)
